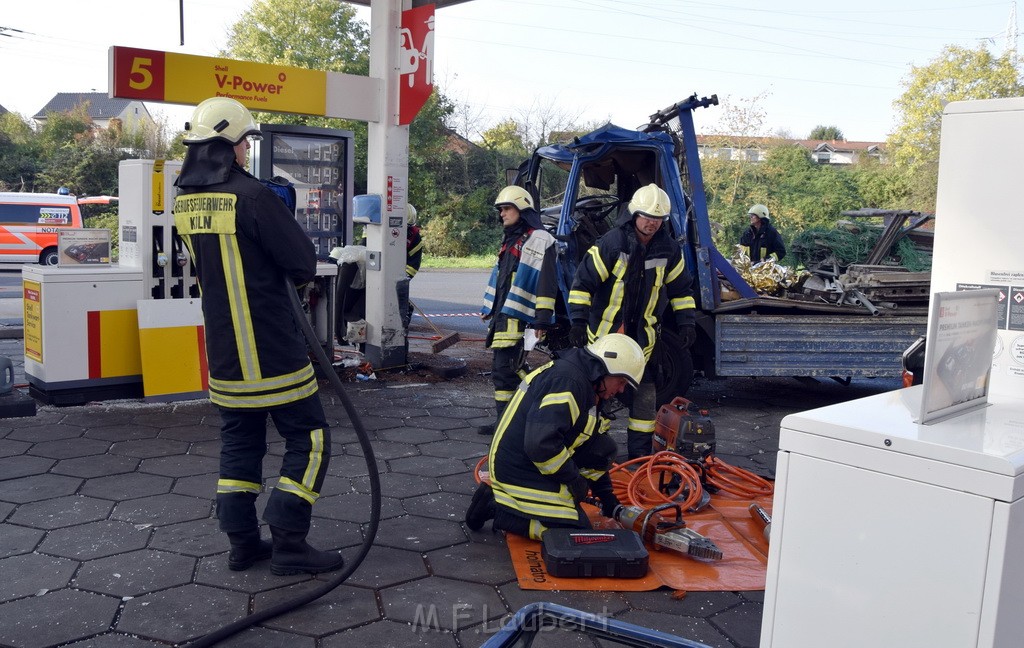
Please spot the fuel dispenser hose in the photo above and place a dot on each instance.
(375, 498)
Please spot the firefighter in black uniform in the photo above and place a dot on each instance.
(520, 293)
(245, 243)
(762, 239)
(634, 281)
(551, 448)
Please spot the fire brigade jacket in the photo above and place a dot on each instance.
(523, 283)
(763, 242)
(553, 412)
(413, 251)
(244, 241)
(623, 283)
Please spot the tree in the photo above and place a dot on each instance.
(820, 132)
(957, 74)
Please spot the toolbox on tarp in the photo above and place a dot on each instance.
(591, 553)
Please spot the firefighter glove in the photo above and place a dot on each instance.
(578, 334)
(543, 320)
(688, 335)
(602, 489)
(579, 488)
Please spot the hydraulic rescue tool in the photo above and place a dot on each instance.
(666, 533)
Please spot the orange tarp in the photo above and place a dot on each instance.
(726, 521)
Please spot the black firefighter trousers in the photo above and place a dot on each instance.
(307, 437)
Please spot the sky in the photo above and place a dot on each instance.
(799, 63)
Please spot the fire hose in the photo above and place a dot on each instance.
(375, 498)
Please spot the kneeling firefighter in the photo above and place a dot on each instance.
(244, 242)
(551, 446)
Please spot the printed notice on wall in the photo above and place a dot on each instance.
(32, 301)
(958, 358)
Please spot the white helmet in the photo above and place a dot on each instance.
(758, 210)
(621, 356)
(410, 214)
(515, 196)
(650, 201)
(220, 118)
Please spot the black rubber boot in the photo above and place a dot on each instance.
(293, 555)
(247, 549)
(481, 508)
(638, 444)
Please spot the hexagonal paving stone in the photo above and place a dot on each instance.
(456, 449)
(607, 604)
(162, 509)
(459, 412)
(328, 534)
(267, 638)
(374, 423)
(419, 533)
(62, 512)
(180, 465)
(88, 467)
(44, 433)
(32, 573)
(114, 640)
(383, 451)
(458, 483)
(94, 540)
(686, 627)
(11, 448)
(442, 506)
(384, 566)
(37, 487)
(440, 423)
(55, 618)
(197, 538)
(474, 562)
(69, 448)
(695, 604)
(402, 483)
(342, 466)
(17, 540)
(182, 613)
(341, 608)
(441, 603)
(389, 633)
(92, 417)
(159, 419)
(428, 466)
(23, 466)
(409, 434)
(354, 507)
(197, 486)
(149, 448)
(213, 570)
(5, 510)
(135, 573)
(125, 486)
(741, 623)
(191, 433)
(118, 433)
(205, 449)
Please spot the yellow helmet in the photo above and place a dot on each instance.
(621, 356)
(410, 214)
(516, 196)
(758, 210)
(650, 201)
(220, 118)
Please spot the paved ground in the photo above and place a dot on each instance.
(107, 538)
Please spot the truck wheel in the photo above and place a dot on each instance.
(48, 257)
(673, 367)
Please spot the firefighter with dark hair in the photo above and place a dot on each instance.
(248, 250)
(552, 447)
(634, 281)
(520, 293)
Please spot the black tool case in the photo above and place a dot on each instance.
(591, 553)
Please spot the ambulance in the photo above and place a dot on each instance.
(29, 223)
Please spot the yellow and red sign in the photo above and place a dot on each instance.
(151, 75)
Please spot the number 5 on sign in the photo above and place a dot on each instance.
(137, 73)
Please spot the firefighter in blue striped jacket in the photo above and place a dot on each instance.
(245, 244)
(551, 447)
(520, 293)
(634, 281)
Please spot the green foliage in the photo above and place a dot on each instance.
(957, 74)
(463, 226)
(826, 133)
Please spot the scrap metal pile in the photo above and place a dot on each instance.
(877, 268)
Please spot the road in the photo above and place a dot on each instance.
(451, 299)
